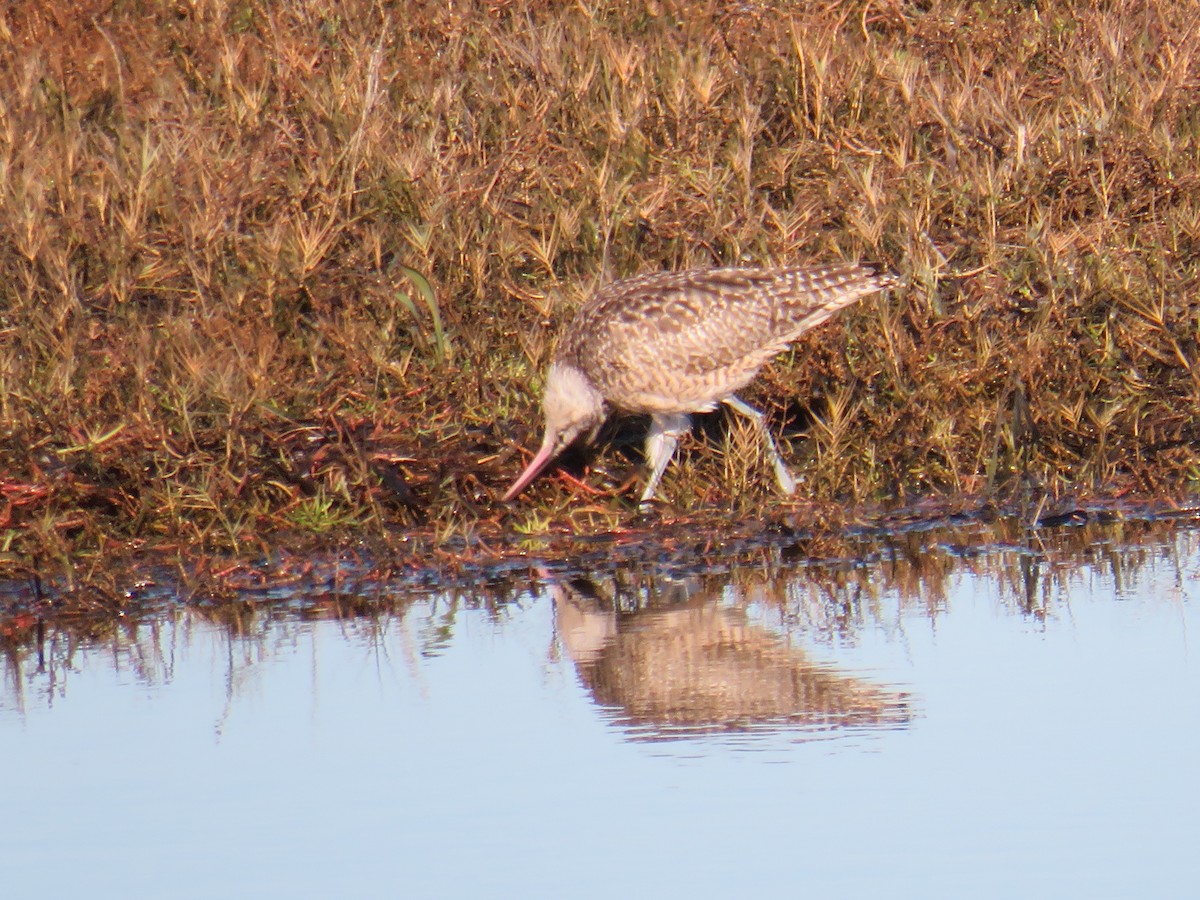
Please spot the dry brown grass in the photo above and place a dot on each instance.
(267, 266)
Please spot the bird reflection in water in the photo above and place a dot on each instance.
(670, 659)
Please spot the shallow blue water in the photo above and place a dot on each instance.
(960, 731)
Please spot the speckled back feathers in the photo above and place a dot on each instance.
(681, 341)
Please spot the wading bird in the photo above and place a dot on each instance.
(669, 344)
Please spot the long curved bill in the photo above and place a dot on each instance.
(544, 455)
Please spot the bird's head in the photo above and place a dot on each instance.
(572, 406)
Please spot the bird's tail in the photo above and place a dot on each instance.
(812, 295)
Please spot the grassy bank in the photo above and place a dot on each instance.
(296, 267)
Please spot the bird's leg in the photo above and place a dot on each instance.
(787, 483)
(665, 429)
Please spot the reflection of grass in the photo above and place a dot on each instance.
(829, 580)
(261, 269)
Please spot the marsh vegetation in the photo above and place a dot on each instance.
(274, 269)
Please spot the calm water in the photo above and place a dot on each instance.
(1010, 722)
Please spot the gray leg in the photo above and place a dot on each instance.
(665, 429)
(787, 483)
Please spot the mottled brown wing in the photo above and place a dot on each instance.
(695, 333)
